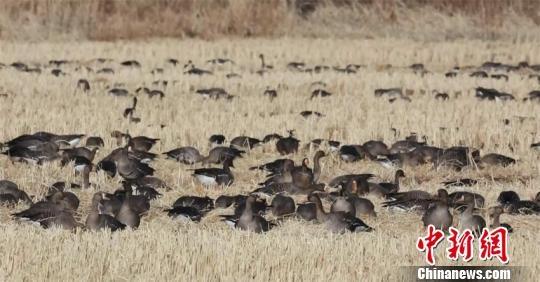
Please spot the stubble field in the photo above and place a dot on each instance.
(163, 249)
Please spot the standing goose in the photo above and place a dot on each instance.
(216, 176)
(98, 219)
(470, 221)
(250, 221)
(393, 187)
(127, 215)
(337, 222)
(495, 214)
(287, 145)
(438, 214)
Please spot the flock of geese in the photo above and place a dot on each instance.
(131, 162)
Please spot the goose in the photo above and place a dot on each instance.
(497, 160)
(216, 139)
(146, 191)
(414, 200)
(264, 66)
(83, 85)
(244, 142)
(270, 137)
(48, 213)
(337, 222)
(10, 188)
(183, 213)
(70, 200)
(150, 181)
(88, 154)
(94, 142)
(405, 146)
(219, 154)
(131, 63)
(303, 176)
(351, 153)
(307, 211)
(290, 188)
(216, 176)
(438, 214)
(454, 198)
(282, 205)
(214, 93)
(470, 221)
(270, 93)
(373, 148)
(275, 167)
(362, 206)
(225, 201)
(118, 92)
(282, 176)
(343, 180)
(220, 61)
(250, 221)
(187, 155)
(457, 158)
(495, 215)
(287, 145)
(128, 216)
(62, 187)
(393, 187)
(98, 219)
(199, 203)
(141, 143)
(514, 205)
(320, 93)
(342, 204)
(192, 69)
(307, 114)
(130, 168)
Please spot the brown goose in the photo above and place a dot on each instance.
(362, 206)
(438, 214)
(495, 214)
(10, 188)
(80, 152)
(470, 221)
(282, 205)
(94, 141)
(337, 222)
(187, 155)
(127, 215)
(219, 154)
(244, 142)
(497, 160)
(98, 219)
(302, 176)
(275, 167)
(393, 187)
(283, 176)
(287, 145)
(52, 212)
(250, 221)
(141, 143)
(130, 168)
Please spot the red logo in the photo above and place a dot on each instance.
(490, 244)
(493, 244)
(429, 243)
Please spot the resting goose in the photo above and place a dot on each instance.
(438, 214)
(216, 176)
(337, 222)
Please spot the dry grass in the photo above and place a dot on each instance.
(165, 250)
(34, 20)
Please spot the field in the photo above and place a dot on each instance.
(163, 249)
